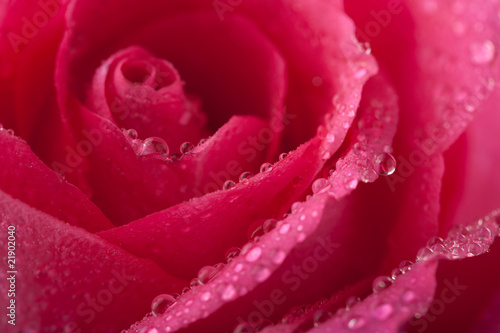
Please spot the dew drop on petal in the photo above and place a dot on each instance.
(228, 292)
(229, 184)
(382, 311)
(232, 253)
(330, 138)
(206, 296)
(266, 167)
(283, 156)
(319, 184)
(355, 323)
(254, 254)
(244, 327)
(161, 303)
(409, 296)
(206, 273)
(381, 283)
(269, 225)
(154, 146)
(261, 273)
(482, 53)
(186, 148)
(245, 176)
(131, 134)
(385, 164)
(284, 228)
(278, 256)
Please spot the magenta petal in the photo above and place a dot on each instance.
(321, 228)
(188, 236)
(25, 177)
(68, 279)
(430, 41)
(136, 90)
(127, 187)
(471, 184)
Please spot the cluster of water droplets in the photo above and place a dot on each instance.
(8, 131)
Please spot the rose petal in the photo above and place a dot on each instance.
(154, 184)
(68, 279)
(445, 57)
(30, 35)
(410, 295)
(311, 236)
(25, 177)
(135, 90)
(471, 168)
(196, 233)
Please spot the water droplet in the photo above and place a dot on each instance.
(266, 167)
(244, 328)
(405, 266)
(206, 296)
(253, 254)
(350, 184)
(330, 138)
(319, 184)
(161, 303)
(360, 73)
(229, 184)
(409, 296)
(195, 283)
(131, 134)
(475, 250)
(351, 302)
(381, 283)
(269, 225)
(382, 312)
(278, 256)
(424, 254)
(355, 322)
(245, 176)
(284, 228)
(10, 132)
(283, 156)
(155, 147)
(483, 233)
(326, 156)
(320, 316)
(482, 53)
(232, 253)
(385, 164)
(395, 273)
(206, 273)
(261, 273)
(186, 148)
(228, 292)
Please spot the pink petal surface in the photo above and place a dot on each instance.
(441, 56)
(471, 184)
(28, 53)
(68, 279)
(339, 75)
(25, 177)
(424, 296)
(320, 231)
(134, 89)
(125, 191)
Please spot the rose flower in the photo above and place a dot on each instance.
(249, 166)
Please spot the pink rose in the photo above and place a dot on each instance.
(249, 165)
